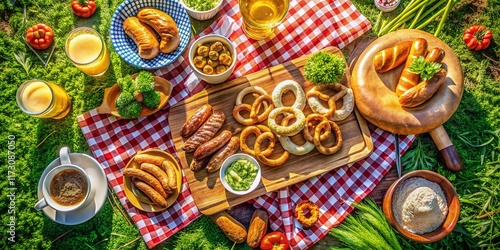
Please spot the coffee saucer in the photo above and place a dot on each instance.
(98, 183)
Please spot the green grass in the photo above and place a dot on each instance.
(37, 141)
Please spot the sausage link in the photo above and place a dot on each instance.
(435, 55)
(408, 79)
(213, 145)
(151, 193)
(172, 175)
(206, 132)
(159, 174)
(147, 158)
(146, 177)
(222, 154)
(198, 165)
(194, 122)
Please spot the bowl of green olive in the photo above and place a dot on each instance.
(240, 174)
(212, 58)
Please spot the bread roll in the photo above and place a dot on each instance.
(164, 25)
(408, 79)
(390, 58)
(232, 228)
(258, 228)
(143, 36)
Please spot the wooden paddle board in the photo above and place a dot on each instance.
(208, 193)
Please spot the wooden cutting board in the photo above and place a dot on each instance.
(208, 193)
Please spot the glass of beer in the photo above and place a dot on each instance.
(85, 47)
(43, 99)
(260, 17)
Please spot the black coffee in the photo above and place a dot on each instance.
(68, 187)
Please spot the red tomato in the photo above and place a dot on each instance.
(83, 8)
(477, 37)
(274, 241)
(40, 36)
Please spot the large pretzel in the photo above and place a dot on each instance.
(272, 141)
(254, 116)
(289, 145)
(338, 137)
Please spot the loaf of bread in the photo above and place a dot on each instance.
(422, 91)
(232, 228)
(390, 58)
(164, 25)
(258, 228)
(143, 36)
(408, 79)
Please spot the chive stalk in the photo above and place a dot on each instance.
(406, 14)
(445, 16)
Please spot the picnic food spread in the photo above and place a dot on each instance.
(307, 114)
(419, 205)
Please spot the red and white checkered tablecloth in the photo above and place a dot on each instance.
(308, 27)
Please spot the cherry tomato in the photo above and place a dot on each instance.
(83, 8)
(477, 37)
(40, 36)
(274, 241)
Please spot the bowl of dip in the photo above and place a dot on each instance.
(240, 174)
(422, 205)
(202, 9)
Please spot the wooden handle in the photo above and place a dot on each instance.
(446, 148)
(104, 108)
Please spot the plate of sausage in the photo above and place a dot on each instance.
(152, 180)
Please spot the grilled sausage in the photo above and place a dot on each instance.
(423, 91)
(213, 145)
(146, 158)
(196, 120)
(147, 178)
(151, 193)
(222, 154)
(206, 132)
(198, 165)
(172, 175)
(159, 174)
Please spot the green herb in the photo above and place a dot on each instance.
(417, 159)
(201, 5)
(366, 228)
(24, 61)
(324, 68)
(424, 68)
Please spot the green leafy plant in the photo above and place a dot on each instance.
(366, 228)
(24, 61)
(324, 68)
(425, 69)
(417, 159)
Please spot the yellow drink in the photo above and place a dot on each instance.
(86, 49)
(43, 99)
(260, 17)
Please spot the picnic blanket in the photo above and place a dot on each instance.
(308, 27)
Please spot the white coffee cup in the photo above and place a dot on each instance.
(66, 165)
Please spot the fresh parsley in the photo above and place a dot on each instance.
(425, 69)
(324, 68)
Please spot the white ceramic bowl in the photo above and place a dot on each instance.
(232, 159)
(202, 15)
(380, 6)
(217, 78)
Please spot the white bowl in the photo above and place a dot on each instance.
(232, 159)
(202, 15)
(386, 8)
(217, 78)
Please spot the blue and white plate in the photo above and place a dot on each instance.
(126, 47)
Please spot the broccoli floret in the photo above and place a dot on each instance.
(123, 99)
(125, 83)
(144, 82)
(132, 110)
(151, 99)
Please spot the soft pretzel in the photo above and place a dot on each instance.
(290, 130)
(289, 85)
(257, 131)
(289, 145)
(313, 97)
(300, 213)
(306, 132)
(338, 137)
(248, 90)
(272, 142)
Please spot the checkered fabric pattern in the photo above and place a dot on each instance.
(308, 27)
(126, 47)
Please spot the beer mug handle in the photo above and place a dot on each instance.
(64, 155)
(41, 204)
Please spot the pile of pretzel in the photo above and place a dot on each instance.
(316, 127)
